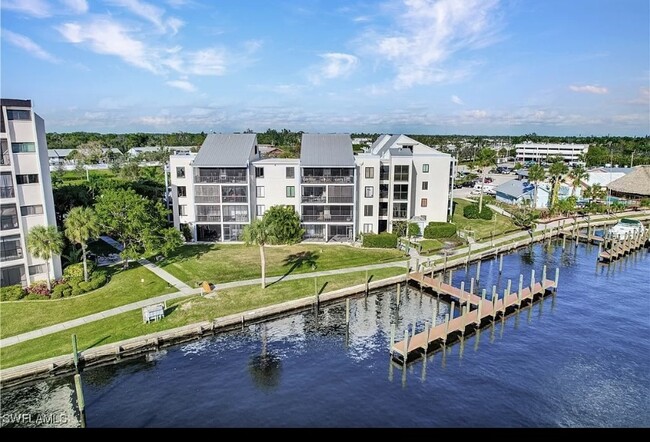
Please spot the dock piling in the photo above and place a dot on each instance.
(500, 263)
(347, 311)
(521, 288)
(81, 403)
(462, 288)
(471, 286)
(557, 277)
(75, 353)
(532, 282)
(508, 287)
(478, 271)
(543, 275)
(399, 291)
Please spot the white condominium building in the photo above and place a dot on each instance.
(25, 191)
(336, 193)
(542, 151)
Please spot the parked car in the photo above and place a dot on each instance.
(488, 179)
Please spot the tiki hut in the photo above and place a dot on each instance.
(634, 185)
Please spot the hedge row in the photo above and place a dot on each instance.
(471, 212)
(384, 240)
(435, 230)
(75, 287)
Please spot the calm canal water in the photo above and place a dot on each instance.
(577, 359)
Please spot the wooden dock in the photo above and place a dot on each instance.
(485, 309)
(613, 248)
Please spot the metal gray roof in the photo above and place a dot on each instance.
(326, 150)
(226, 150)
(514, 188)
(397, 152)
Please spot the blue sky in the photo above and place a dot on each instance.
(555, 67)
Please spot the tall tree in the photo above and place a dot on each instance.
(578, 174)
(536, 174)
(557, 170)
(44, 242)
(485, 159)
(138, 223)
(257, 232)
(82, 225)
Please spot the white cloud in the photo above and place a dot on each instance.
(28, 45)
(643, 98)
(35, 8)
(182, 84)
(152, 13)
(457, 100)
(177, 3)
(76, 6)
(427, 33)
(589, 89)
(106, 36)
(361, 19)
(335, 65)
(209, 61)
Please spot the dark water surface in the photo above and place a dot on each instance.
(577, 359)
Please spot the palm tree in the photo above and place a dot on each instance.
(81, 225)
(557, 170)
(486, 158)
(578, 174)
(536, 173)
(43, 242)
(258, 233)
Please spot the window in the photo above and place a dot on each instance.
(10, 248)
(8, 216)
(180, 172)
(369, 191)
(6, 185)
(259, 210)
(23, 147)
(399, 210)
(425, 168)
(291, 191)
(18, 114)
(37, 269)
(400, 191)
(367, 210)
(384, 173)
(31, 178)
(259, 172)
(401, 173)
(5, 159)
(367, 228)
(182, 191)
(182, 210)
(12, 275)
(423, 202)
(31, 210)
(370, 172)
(259, 191)
(425, 185)
(291, 172)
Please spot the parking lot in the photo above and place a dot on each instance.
(497, 179)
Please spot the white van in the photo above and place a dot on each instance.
(487, 189)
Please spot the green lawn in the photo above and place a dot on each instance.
(180, 312)
(124, 287)
(233, 262)
(482, 229)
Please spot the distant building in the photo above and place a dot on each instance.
(542, 151)
(65, 157)
(26, 192)
(173, 150)
(337, 194)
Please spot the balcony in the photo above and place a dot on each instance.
(221, 179)
(328, 179)
(314, 199)
(323, 218)
(208, 218)
(207, 199)
(5, 159)
(235, 218)
(383, 212)
(383, 194)
(235, 199)
(341, 199)
(7, 192)
(11, 254)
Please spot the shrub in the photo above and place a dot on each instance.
(382, 241)
(645, 202)
(36, 297)
(414, 229)
(435, 230)
(59, 290)
(67, 292)
(38, 288)
(471, 212)
(75, 272)
(12, 293)
(399, 228)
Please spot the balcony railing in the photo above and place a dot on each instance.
(209, 218)
(341, 199)
(383, 194)
(314, 199)
(236, 218)
(328, 179)
(10, 255)
(383, 212)
(207, 199)
(235, 179)
(235, 199)
(5, 159)
(7, 192)
(327, 218)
